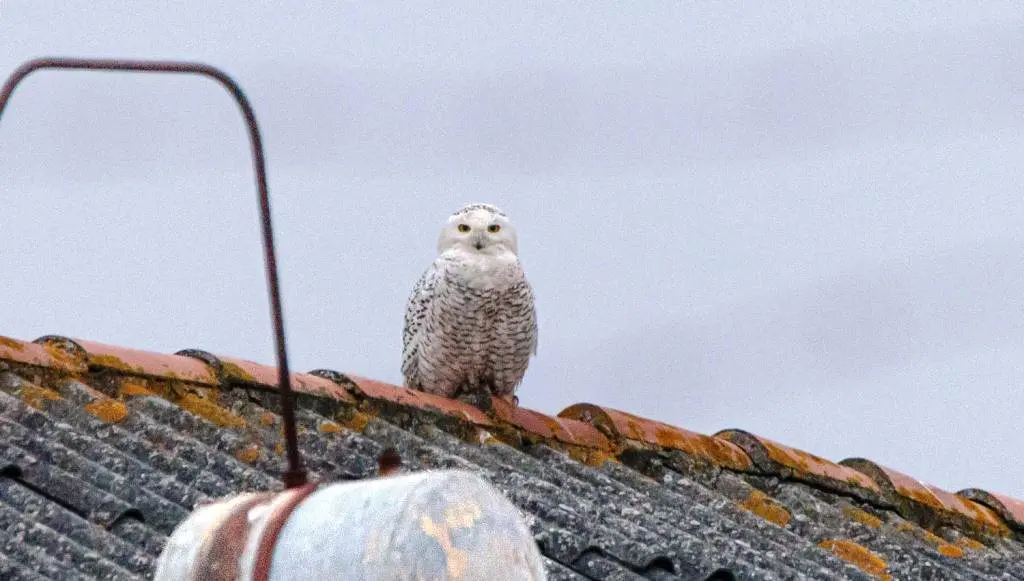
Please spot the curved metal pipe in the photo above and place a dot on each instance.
(295, 475)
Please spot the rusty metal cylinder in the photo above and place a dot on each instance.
(426, 525)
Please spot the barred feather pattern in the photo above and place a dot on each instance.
(470, 324)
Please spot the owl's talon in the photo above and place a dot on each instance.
(477, 398)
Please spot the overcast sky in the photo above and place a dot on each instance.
(802, 222)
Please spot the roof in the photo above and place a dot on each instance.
(104, 450)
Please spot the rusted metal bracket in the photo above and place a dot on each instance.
(295, 475)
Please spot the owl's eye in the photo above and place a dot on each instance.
(493, 228)
(464, 228)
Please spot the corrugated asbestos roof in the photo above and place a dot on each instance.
(104, 450)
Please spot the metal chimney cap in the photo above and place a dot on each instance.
(430, 525)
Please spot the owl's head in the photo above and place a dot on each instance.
(478, 228)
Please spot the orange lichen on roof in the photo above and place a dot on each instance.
(8, 344)
(944, 548)
(1009, 508)
(951, 551)
(904, 485)
(565, 430)
(248, 454)
(328, 427)
(108, 410)
(62, 359)
(941, 545)
(137, 362)
(859, 556)
(245, 371)
(134, 388)
(862, 516)
(318, 386)
(210, 411)
(619, 425)
(804, 465)
(931, 497)
(807, 462)
(765, 507)
(36, 396)
(970, 544)
(38, 355)
(357, 421)
(593, 434)
(378, 390)
(982, 516)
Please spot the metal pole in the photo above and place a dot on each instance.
(295, 475)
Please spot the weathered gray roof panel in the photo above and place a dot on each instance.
(90, 496)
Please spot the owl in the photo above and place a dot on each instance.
(470, 322)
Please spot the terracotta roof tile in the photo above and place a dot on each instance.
(619, 425)
(378, 390)
(318, 386)
(566, 430)
(984, 518)
(1009, 508)
(900, 488)
(775, 458)
(238, 370)
(38, 355)
(895, 481)
(146, 363)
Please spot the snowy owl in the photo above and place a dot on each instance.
(470, 322)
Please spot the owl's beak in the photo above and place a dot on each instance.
(478, 242)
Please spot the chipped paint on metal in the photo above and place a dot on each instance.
(425, 525)
(462, 515)
(457, 560)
